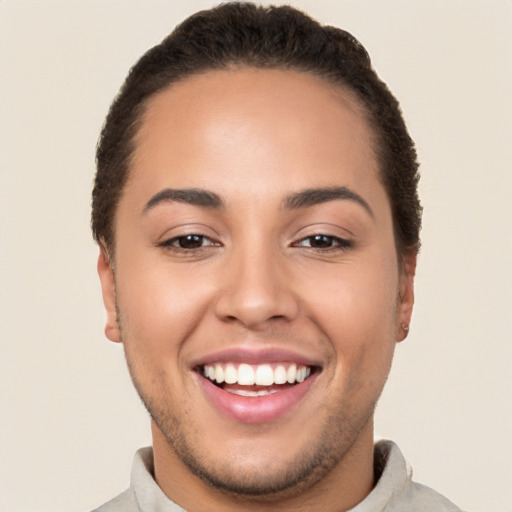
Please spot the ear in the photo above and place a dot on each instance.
(406, 297)
(108, 289)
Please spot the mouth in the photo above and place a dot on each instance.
(256, 393)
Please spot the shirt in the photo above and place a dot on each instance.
(394, 492)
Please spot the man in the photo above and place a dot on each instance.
(256, 209)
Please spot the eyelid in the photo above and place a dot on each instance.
(340, 243)
(328, 229)
(169, 232)
(169, 242)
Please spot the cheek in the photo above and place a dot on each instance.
(352, 296)
(160, 307)
(355, 306)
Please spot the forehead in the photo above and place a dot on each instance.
(228, 129)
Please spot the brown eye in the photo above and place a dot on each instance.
(324, 242)
(321, 241)
(189, 241)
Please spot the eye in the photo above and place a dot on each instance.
(189, 242)
(324, 242)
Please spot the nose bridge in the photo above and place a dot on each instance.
(257, 287)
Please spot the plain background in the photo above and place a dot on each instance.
(70, 420)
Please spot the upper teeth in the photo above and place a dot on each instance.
(259, 375)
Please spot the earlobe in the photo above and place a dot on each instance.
(108, 289)
(406, 298)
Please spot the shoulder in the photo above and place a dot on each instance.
(125, 502)
(421, 497)
(396, 491)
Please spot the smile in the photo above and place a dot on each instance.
(256, 393)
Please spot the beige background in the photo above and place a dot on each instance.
(70, 420)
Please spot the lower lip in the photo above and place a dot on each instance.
(259, 409)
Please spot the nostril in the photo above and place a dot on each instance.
(255, 299)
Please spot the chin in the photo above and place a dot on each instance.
(273, 463)
(244, 474)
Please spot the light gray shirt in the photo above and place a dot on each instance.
(395, 491)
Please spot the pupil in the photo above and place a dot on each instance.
(321, 241)
(191, 241)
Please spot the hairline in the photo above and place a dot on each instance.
(338, 86)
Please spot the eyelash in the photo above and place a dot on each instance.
(334, 243)
(173, 243)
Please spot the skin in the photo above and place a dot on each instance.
(253, 137)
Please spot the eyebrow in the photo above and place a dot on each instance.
(303, 199)
(314, 196)
(193, 196)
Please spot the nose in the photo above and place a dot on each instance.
(257, 290)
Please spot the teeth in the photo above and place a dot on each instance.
(291, 375)
(230, 375)
(280, 375)
(264, 375)
(259, 375)
(245, 375)
(219, 373)
(244, 392)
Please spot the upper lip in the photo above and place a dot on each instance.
(256, 356)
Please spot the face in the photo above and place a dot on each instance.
(256, 280)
